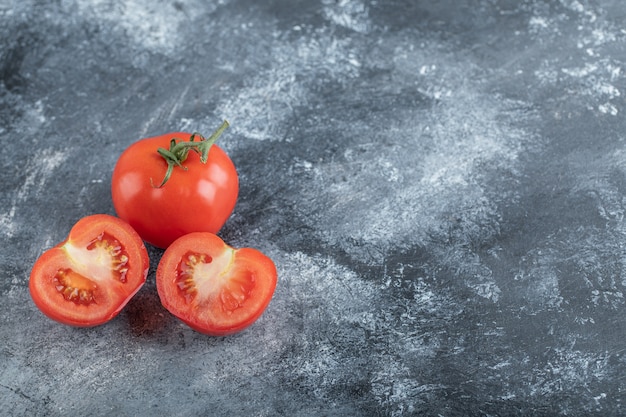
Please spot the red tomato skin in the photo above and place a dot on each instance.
(114, 295)
(199, 198)
(206, 317)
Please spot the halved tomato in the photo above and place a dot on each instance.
(88, 278)
(214, 288)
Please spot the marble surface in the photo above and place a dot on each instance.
(441, 185)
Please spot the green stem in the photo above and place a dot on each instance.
(178, 151)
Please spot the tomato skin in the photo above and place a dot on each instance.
(199, 198)
(222, 296)
(102, 259)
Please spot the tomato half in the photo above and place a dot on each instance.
(214, 288)
(197, 197)
(88, 278)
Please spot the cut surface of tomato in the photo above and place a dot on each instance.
(88, 278)
(214, 288)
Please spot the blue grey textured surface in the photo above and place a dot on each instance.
(440, 184)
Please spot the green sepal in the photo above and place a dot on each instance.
(178, 151)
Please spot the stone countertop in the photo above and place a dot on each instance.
(440, 184)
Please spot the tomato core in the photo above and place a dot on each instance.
(103, 258)
(202, 276)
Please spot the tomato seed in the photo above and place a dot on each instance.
(67, 282)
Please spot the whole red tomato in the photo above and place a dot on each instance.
(170, 185)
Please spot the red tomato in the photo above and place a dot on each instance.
(88, 278)
(214, 288)
(196, 196)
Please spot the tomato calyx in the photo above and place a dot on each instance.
(179, 150)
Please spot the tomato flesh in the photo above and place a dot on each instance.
(88, 278)
(198, 197)
(214, 288)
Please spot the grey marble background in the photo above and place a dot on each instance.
(440, 183)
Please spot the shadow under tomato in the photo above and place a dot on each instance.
(145, 314)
